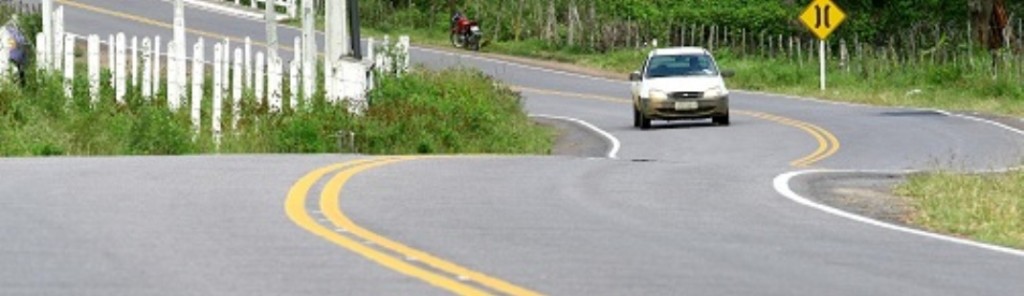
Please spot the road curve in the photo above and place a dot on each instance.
(686, 208)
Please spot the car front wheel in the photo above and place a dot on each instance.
(636, 117)
(721, 120)
(644, 122)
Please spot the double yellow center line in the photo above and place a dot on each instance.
(828, 144)
(343, 232)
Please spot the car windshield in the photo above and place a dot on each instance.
(681, 65)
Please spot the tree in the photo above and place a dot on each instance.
(988, 20)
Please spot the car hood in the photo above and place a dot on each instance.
(679, 84)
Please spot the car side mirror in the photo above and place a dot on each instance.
(728, 73)
(635, 76)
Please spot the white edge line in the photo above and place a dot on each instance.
(781, 184)
(613, 153)
(228, 10)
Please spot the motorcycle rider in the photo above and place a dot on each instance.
(456, 17)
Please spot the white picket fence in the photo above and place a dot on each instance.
(289, 5)
(135, 65)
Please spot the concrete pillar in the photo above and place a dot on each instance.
(236, 90)
(274, 92)
(46, 46)
(336, 47)
(93, 49)
(180, 52)
(180, 49)
(352, 85)
(292, 9)
(147, 68)
(310, 49)
(58, 38)
(120, 87)
(198, 79)
(69, 66)
(218, 92)
(271, 20)
(157, 69)
(259, 77)
(252, 3)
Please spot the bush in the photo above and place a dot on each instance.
(452, 111)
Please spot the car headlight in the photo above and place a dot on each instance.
(657, 95)
(715, 92)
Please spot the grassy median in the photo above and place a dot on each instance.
(987, 208)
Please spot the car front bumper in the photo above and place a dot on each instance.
(667, 109)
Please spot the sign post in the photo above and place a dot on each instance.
(822, 17)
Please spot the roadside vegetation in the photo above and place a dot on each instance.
(987, 208)
(422, 112)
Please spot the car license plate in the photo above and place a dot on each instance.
(686, 106)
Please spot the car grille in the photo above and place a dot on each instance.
(686, 95)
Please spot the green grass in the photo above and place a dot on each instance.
(453, 111)
(987, 208)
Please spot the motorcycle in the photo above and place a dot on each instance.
(466, 33)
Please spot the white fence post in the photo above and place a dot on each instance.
(42, 52)
(120, 89)
(69, 66)
(147, 68)
(157, 68)
(259, 77)
(94, 68)
(173, 92)
(135, 63)
(218, 92)
(248, 62)
(226, 63)
(198, 79)
(236, 90)
(5, 51)
(403, 65)
(293, 84)
(274, 83)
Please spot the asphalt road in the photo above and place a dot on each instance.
(685, 209)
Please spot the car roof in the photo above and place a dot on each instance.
(678, 51)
